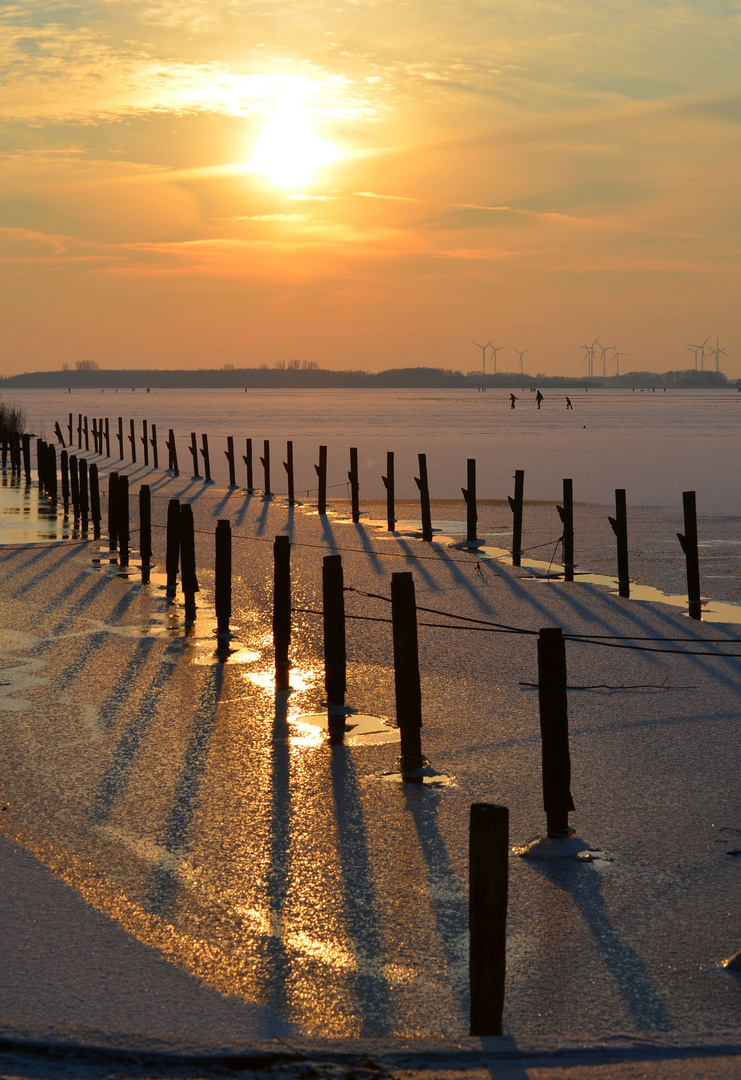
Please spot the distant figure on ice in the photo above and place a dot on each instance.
(512, 400)
(538, 398)
(568, 403)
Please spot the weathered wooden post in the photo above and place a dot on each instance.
(26, 445)
(70, 429)
(107, 438)
(153, 444)
(620, 527)
(145, 531)
(172, 453)
(52, 475)
(321, 472)
(120, 437)
(194, 454)
(469, 494)
(122, 519)
(79, 431)
(94, 423)
(64, 468)
(113, 511)
(58, 433)
(247, 459)
(206, 458)
(335, 654)
(188, 579)
(145, 442)
(554, 731)
(406, 674)
(265, 460)
(688, 540)
(83, 489)
(229, 454)
(488, 877)
(223, 577)
(86, 433)
(40, 464)
(388, 483)
(354, 478)
(516, 505)
(424, 497)
(566, 513)
(94, 500)
(288, 466)
(172, 552)
(282, 610)
(132, 440)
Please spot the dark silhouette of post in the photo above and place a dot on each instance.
(321, 472)
(94, 499)
(406, 673)
(26, 449)
(566, 513)
(223, 577)
(335, 654)
(194, 454)
(247, 459)
(554, 731)
(265, 461)
(172, 453)
(79, 431)
(58, 432)
(132, 440)
(95, 434)
(122, 519)
(145, 530)
(107, 434)
(516, 505)
(64, 468)
(229, 455)
(112, 511)
(424, 497)
(188, 578)
(86, 433)
(354, 478)
(120, 437)
(145, 442)
(288, 466)
(153, 444)
(488, 876)
(620, 527)
(70, 430)
(281, 610)
(172, 550)
(83, 489)
(52, 474)
(469, 494)
(688, 540)
(206, 458)
(388, 483)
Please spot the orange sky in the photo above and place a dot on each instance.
(368, 184)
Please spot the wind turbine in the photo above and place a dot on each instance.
(701, 350)
(693, 349)
(495, 351)
(605, 349)
(717, 352)
(483, 354)
(590, 355)
(521, 353)
(617, 359)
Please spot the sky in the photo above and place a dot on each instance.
(368, 183)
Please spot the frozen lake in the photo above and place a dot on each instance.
(654, 444)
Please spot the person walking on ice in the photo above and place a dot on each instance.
(538, 398)
(512, 400)
(568, 403)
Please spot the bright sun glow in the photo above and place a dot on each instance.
(289, 152)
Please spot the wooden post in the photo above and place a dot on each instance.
(94, 423)
(516, 505)
(145, 531)
(107, 438)
(321, 471)
(153, 444)
(52, 475)
(265, 460)
(469, 494)
(335, 654)
(40, 474)
(620, 528)
(206, 458)
(120, 437)
(194, 454)
(145, 442)
(488, 854)
(79, 431)
(172, 453)
(388, 483)
(247, 459)
(58, 432)
(554, 731)
(354, 479)
(188, 579)
(26, 446)
(424, 497)
(83, 489)
(406, 673)
(288, 466)
(132, 440)
(282, 610)
(566, 513)
(64, 467)
(70, 429)
(122, 519)
(113, 511)
(688, 540)
(223, 576)
(229, 454)
(86, 433)
(94, 500)
(172, 554)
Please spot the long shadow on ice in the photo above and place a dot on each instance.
(372, 993)
(368, 548)
(584, 884)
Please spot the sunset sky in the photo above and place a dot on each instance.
(368, 183)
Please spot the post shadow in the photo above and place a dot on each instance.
(276, 961)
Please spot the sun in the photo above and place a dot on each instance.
(289, 152)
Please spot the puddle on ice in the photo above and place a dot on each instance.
(27, 517)
(360, 730)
